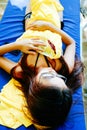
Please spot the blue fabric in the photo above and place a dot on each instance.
(11, 27)
(72, 21)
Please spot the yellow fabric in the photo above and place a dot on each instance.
(46, 10)
(13, 111)
(46, 36)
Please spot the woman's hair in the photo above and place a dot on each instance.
(49, 106)
(76, 78)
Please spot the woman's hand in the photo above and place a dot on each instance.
(37, 25)
(29, 45)
(41, 26)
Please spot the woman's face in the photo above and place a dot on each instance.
(49, 77)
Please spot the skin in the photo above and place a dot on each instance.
(27, 44)
(47, 76)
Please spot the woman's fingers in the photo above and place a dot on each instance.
(36, 48)
(37, 42)
(33, 51)
(37, 45)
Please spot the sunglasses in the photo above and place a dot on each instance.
(53, 75)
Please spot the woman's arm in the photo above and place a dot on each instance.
(24, 45)
(42, 26)
(8, 48)
(69, 54)
(6, 64)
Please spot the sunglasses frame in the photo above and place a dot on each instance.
(52, 75)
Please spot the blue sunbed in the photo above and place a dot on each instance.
(11, 27)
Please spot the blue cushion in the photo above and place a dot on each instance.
(11, 27)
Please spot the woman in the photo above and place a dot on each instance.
(42, 86)
(48, 96)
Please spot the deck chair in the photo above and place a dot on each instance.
(11, 27)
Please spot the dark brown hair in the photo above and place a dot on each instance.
(76, 78)
(49, 106)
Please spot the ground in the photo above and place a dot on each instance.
(85, 83)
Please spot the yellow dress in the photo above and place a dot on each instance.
(46, 10)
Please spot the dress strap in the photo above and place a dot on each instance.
(36, 61)
(47, 61)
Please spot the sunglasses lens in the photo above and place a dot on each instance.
(62, 77)
(52, 75)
